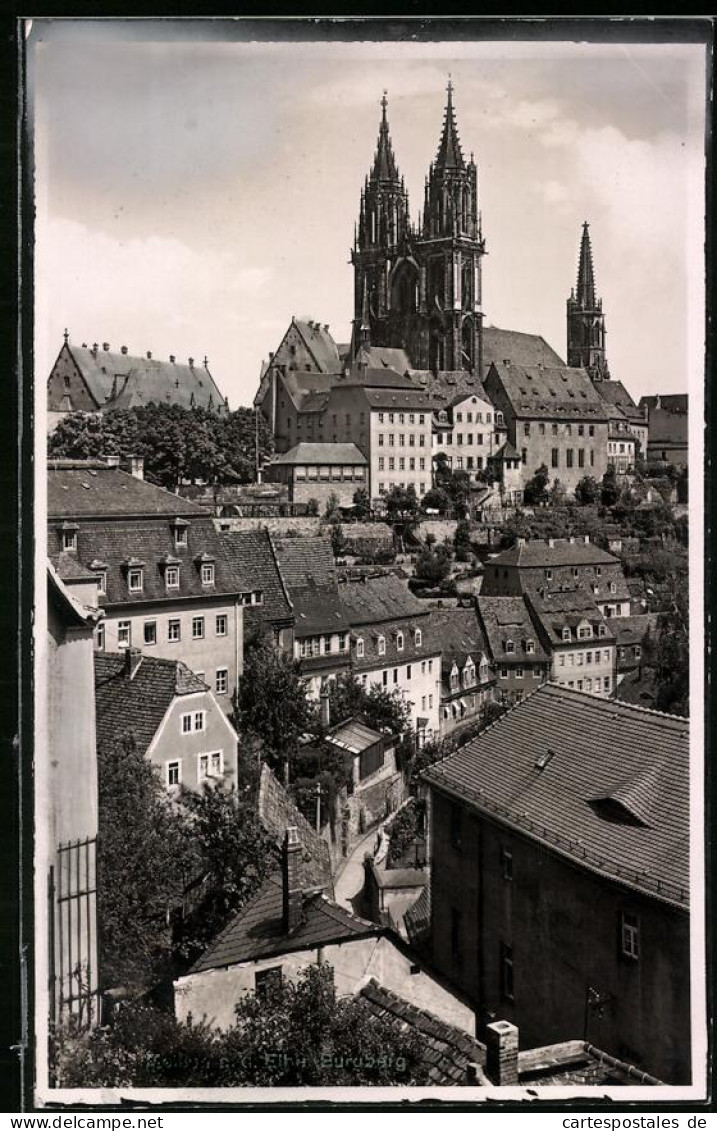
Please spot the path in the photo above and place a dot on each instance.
(350, 882)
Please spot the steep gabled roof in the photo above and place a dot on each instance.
(309, 573)
(255, 567)
(137, 706)
(614, 393)
(517, 348)
(552, 392)
(596, 746)
(320, 345)
(505, 619)
(86, 488)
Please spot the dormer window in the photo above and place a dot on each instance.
(510, 646)
(530, 646)
(548, 575)
(566, 634)
(69, 535)
(179, 526)
(399, 641)
(418, 638)
(360, 648)
(613, 587)
(171, 577)
(135, 580)
(454, 679)
(469, 675)
(585, 632)
(102, 583)
(208, 573)
(382, 645)
(602, 630)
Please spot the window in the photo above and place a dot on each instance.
(380, 418)
(380, 439)
(536, 672)
(207, 573)
(222, 681)
(124, 634)
(401, 440)
(391, 439)
(174, 631)
(197, 628)
(519, 672)
(360, 648)
(399, 641)
(135, 581)
(548, 575)
(210, 765)
(554, 457)
(630, 935)
(526, 428)
(150, 632)
(430, 702)
(456, 826)
(221, 625)
(382, 645)
(507, 863)
(591, 431)
(530, 646)
(555, 429)
(102, 583)
(506, 972)
(100, 638)
(509, 646)
(391, 464)
(384, 679)
(171, 577)
(638, 651)
(408, 671)
(569, 457)
(395, 675)
(566, 633)
(503, 673)
(459, 438)
(267, 983)
(381, 463)
(561, 660)
(174, 773)
(581, 457)
(199, 720)
(69, 539)
(588, 657)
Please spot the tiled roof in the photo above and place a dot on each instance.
(669, 402)
(85, 488)
(69, 569)
(505, 451)
(372, 378)
(354, 736)
(308, 453)
(586, 746)
(556, 392)
(151, 542)
(137, 706)
(558, 611)
(508, 618)
(277, 813)
(254, 563)
(516, 347)
(378, 600)
(615, 393)
(309, 572)
(446, 386)
(459, 633)
(118, 380)
(632, 630)
(258, 930)
(320, 344)
(446, 1050)
(300, 385)
(392, 398)
(535, 553)
(383, 356)
(417, 919)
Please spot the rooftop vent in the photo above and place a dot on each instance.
(123, 349)
(542, 761)
(106, 346)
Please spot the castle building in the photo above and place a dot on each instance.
(419, 287)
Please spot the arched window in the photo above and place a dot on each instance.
(382, 645)
(359, 648)
(418, 638)
(399, 641)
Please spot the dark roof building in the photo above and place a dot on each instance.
(309, 573)
(96, 380)
(467, 673)
(581, 805)
(318, 454)
(93, 489)
(256, 566)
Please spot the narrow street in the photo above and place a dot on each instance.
(350, 881)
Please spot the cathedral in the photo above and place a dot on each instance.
(418, 286)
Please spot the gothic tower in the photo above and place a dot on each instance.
(382, 231)
(450, 248)
(586, 321)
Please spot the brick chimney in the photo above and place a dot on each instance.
(291, 876)
(136, 466)
(501, 1065)
(132, 661)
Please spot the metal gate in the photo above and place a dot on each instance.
(72, 895)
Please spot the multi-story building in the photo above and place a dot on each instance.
(467, 674)
(89, 379)
(392, 647)
(163, 577)
(536, 565)
(468, 432)
(321, 627)
(520, 661)
(578, 638)
(254, 561)
(621, 447)
(554, 418)
(560, 876)
(170, 714)
(668, 427)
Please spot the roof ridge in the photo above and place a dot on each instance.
(572, 691)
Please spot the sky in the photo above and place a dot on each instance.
(194, 192)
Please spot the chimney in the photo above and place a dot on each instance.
(149, 355)
(551, 543)
(112, 461)
(94, 349)
(132, 661)
(571, 540)
(136, 466)
(191, 363)
(326, 327)
(586, 539)
(325, 707)
(172, 358)
(106, 346)
(501, 1039)
(123, 349)
(291, 875)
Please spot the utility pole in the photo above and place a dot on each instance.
(319, 792)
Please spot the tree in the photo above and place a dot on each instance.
(462, 541)
(300, 1033)
(271, 701)
(144, 864)
(338, 542)
(332, 507)
(437, 500)
(362, 503)
(312, 508)
(673, 658)
(610, 492)
(379, 708)
(433, 565)
(587, 491)
(401, 503)
(536, 489)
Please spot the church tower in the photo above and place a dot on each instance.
(382, 230)
(586, 321)
(450, 248)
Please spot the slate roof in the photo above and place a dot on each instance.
(378, 357)
(258, 931)
(536, 553)
(557, 392)
(505, 451)
(615, 393)
(446, 1050)
(459, 632)
(448, 385)
(559, 610)
(632, 630)
(320, 344)
(516, 347)
(151, 541)
(308, 453)
(118, 380)
(395, 398)
(376, 378)
(675, 403)
(69, 569)
(379, 599)
(255, 567)
(89, 488)
(309, 574)
(596, 746)
(508, 618)
(137, 706)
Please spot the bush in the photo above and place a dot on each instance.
(405, 827)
